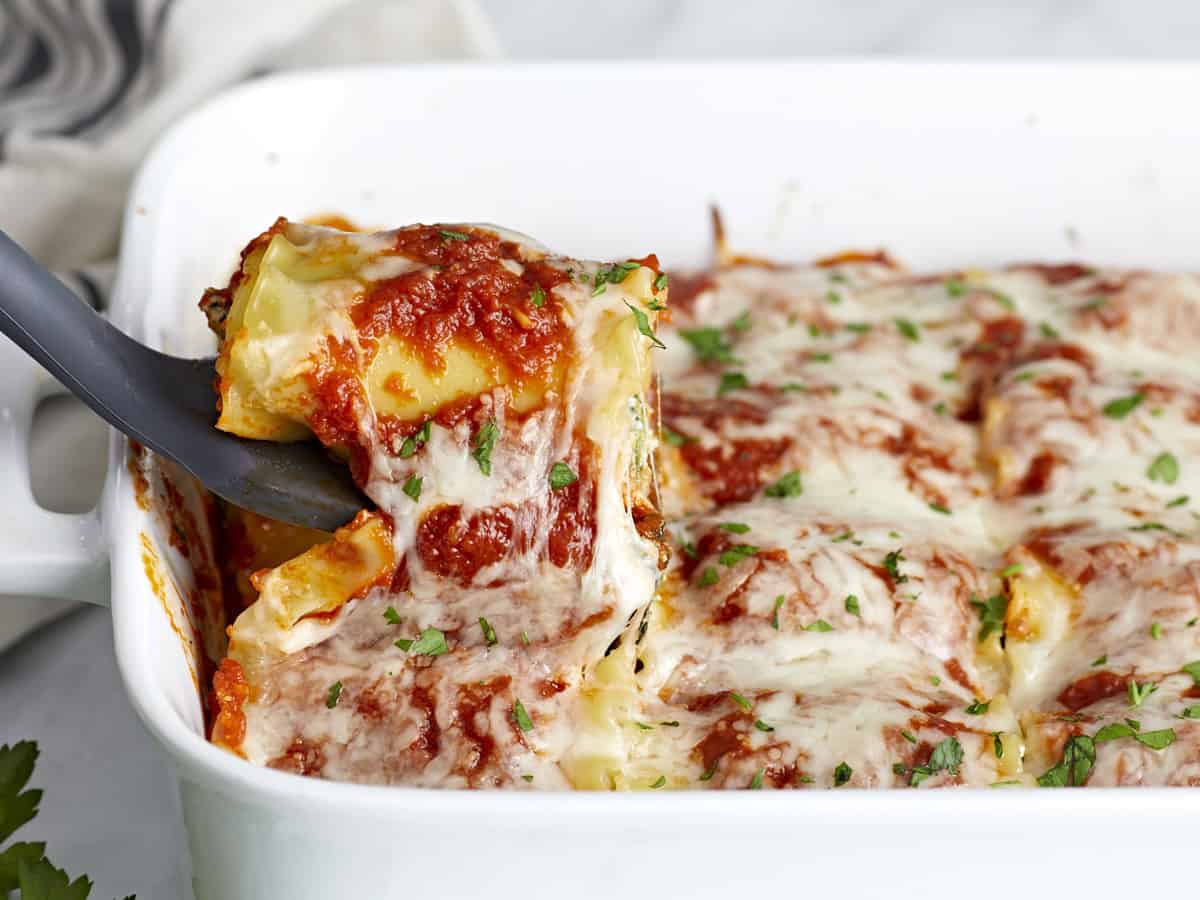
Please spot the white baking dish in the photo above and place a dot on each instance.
(939, 163)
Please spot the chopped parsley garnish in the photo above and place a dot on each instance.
(643, 325)
(689, 550)
(820, 625)
(763, 726)
(938, 508)
(662, 780)
(978, 708)
(1048, 331)
(833, 297)
(991, 613)
(1079, 755)
(841, 774)
(955, 287)
(413, 442)
(852, 605)
(935, 680)
(732, 381)
(1010, 571)
(453, 235)
(1003, 299)
(489, 633)
(661, 281)
(1165, 468)
(1191, 712)
(1122, 406)
(708, 577)
(947, 755)
(334, 695)
(485, 440)
(844, 536)
(997, 745)
(1139, 692)
(740, 700)
(858, 327)
(561, 475)
(644, 726)
(675, 439)
(391, 616)
(538, 297)
(734, 527)
(1178, 501)
(711, 771)
(1193, 669)
(1100, 660)
(908, 736)
(820, 357)
(891, 565)
(528, 778)
(525, 638)
(521, 717)
(908, 329)
(412, 487)
(1155, 630)
(779, 601)
(1149, 526)
(736, 554)
(1156, 740)
(756, 781)
(709, 345)
(741, 322)
(788, 485)
(1095, 303)
(614, 274)
(431, 642)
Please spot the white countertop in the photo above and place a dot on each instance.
(109, 807)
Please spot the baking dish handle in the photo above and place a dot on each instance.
(42, 553)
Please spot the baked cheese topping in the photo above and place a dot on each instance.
(927, 530)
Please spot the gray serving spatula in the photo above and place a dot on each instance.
(166, 403)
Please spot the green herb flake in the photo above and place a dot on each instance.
(525, 638)
(740, 700)
(741, 323)
(1122, 406)
(841, 774)
(412, 487)
(1191, 712)
(788, 485)
(708, 577)
(833, 297)
(732, 381)
(1155, 631)
(757, 780)
(643, 325)
(538, 297)
(528, 778)
(1193, 669)
(1012, 570)
(997, 745)
(661, 281)
(404, 644)
(334, 695)
(448, 235)
(891, 565)
(946, 756)
(521, 717)
(1178, 501)
(675, 439)
(763, 726)
(734, 527)
(431, 642)
(820, 626)
(935, 680)
(709, 773)
(938, 508)
(1156, 740)
(955, 287)
(489, 633)
(414, 441)
(978, 708)
(779, 601)
(1100, 660)
(820, 357)
(644, 726)
(991, 613)
(709, 345)
(1139, 692)
(859, 327)
(481, 448)
(1114, 731)
(908, 736)
(736, 554)
(561, 475)
(909, 329)
(391, 616)
(852, 606)
(1049, 331)
(661, 782)
(1165, 468)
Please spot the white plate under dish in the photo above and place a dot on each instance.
(942, 164)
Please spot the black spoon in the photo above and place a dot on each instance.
(166, 403)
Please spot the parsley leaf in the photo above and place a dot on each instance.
(643, 325)
(756, 781)
(413, 442)
(978, 708)
(908, 736)
(662, 780)
(947, 755)
(1079, 756)
(16, 806)
(763, 726)
(1113, 731)
(675, 439)
(891, 565)
(661, 281)
(955, 287)
(431, 642)
(908, 329)
(734, 527)
(1165, 468)
(489, 633)
(485, 440)
(1191, 712)
(852, 606)
(1010, 571)
(732, 381)
(841, 774)
(1193, 669)
(335, 694)
(775, 615)
(412, 487)
(453, 235)
(740, 700)
(991, 614)
(1156, 740)
(736, 554)
(741, 322)
(708, 577)
(709, 345)
(561, 475)
(938, 508)
(538, 297)
(1122, 406)
(1048, 331)
(521, 717)
(1139, 692)
(789, 485)
(820, 625)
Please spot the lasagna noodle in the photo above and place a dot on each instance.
(492, 400)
